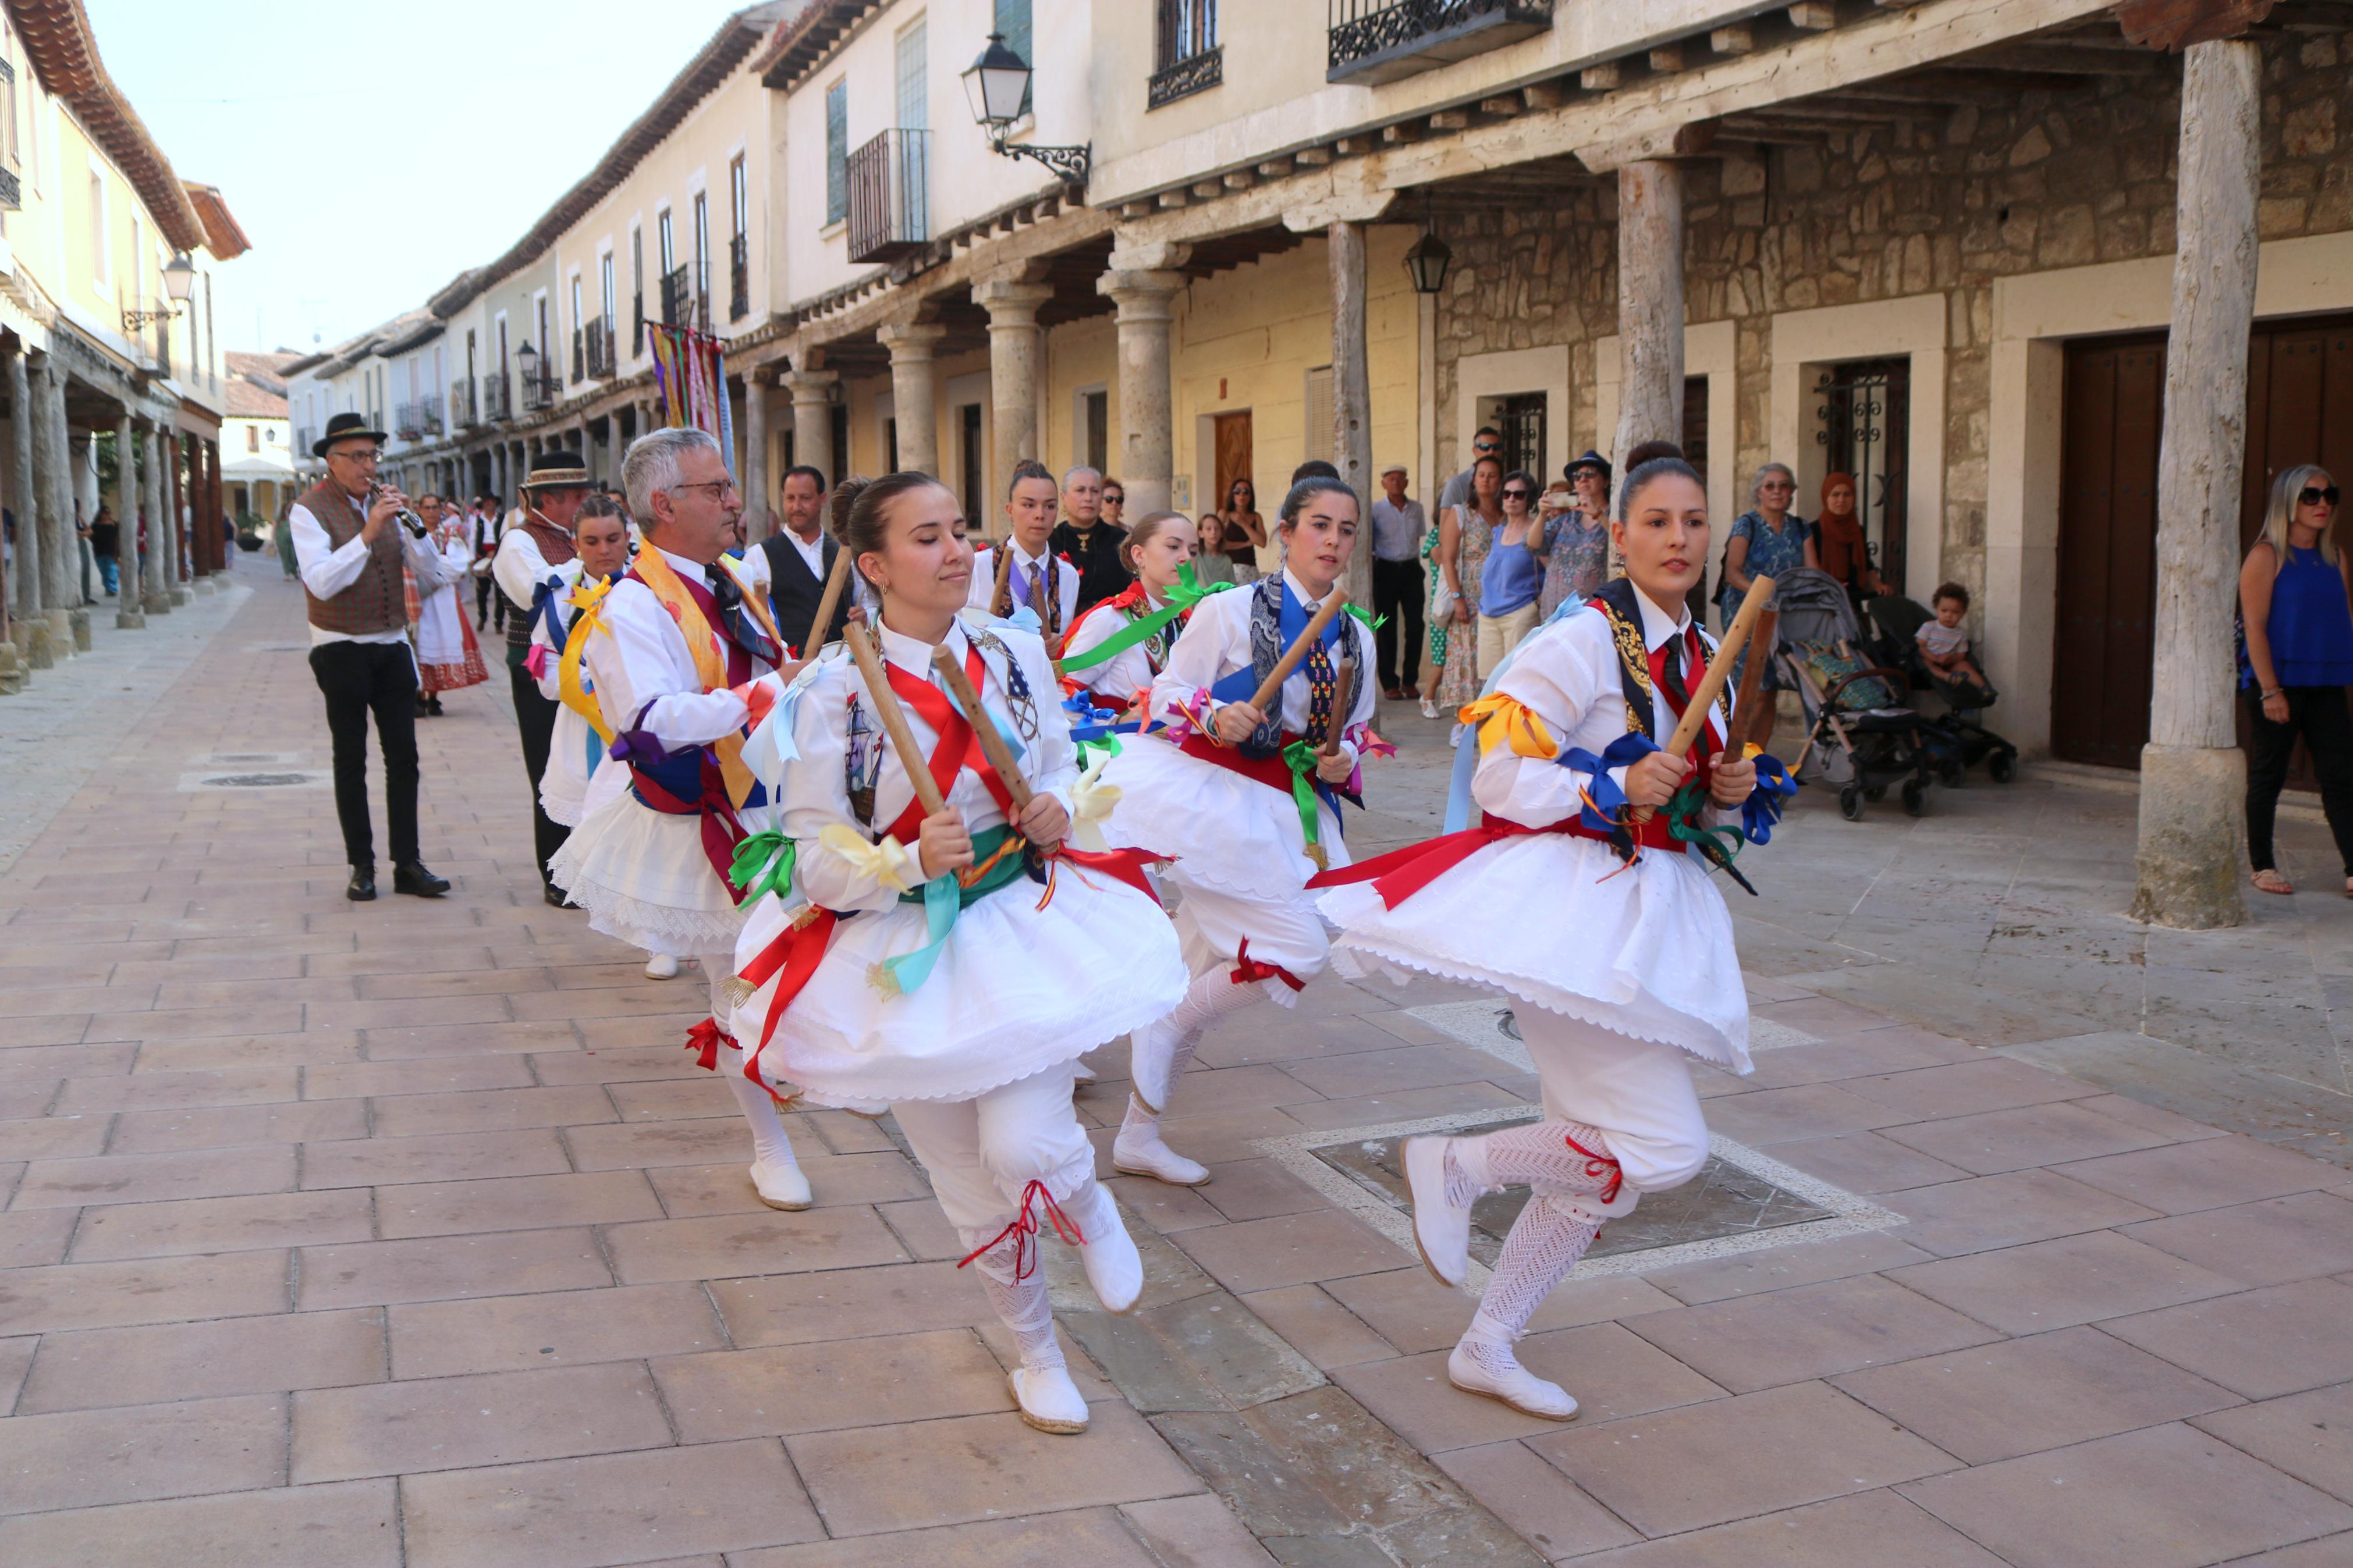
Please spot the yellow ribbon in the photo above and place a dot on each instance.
(887, 862)
(1499, 718)
(587, 602)
(710, 661)
(1092, 802)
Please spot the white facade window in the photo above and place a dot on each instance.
(100, 268)
(837, 152)
(913, 79)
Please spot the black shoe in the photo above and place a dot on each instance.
(362, 888)
(559, 897)
(414, 878)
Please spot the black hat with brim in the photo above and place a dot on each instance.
(345, 427)
(1590, 460)
(558, 471)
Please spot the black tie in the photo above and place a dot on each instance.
(1671, 675)
(745, 631)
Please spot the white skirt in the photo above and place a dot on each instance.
(1017, 990)
(1647, 952)
(643, 878)
(1239, 835)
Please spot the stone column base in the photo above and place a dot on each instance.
(129, 621)
(180, 596)
(33, 636)
(2193, 835)
(61, 637)
(203, 588)
(78, 620)
(157, 603)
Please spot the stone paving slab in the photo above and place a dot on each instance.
(407, 1234)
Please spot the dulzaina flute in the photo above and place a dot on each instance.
(415, 523)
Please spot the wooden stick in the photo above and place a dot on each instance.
(1743, 706)
(992, 743)
(1719, 670)
(1344, 696)
(837, 582)
(894, 719)
(1271, 686)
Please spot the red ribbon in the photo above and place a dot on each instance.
(796, 953)
(958, 747)
(704, 1039)
(721, 829)
(1597, 1164)
(1125, 865)
(1247, 969)
(1023, 1229)
(1401, 873)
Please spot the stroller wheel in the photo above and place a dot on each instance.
(2003, 767)
(1915, 798)
(1874, 792)
(1851, 803)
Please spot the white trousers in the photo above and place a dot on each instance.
(1637, 1093)
(982, 1154)
(1212, 924)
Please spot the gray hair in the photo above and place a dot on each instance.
(1069, 474)
(651, 464)
(1756, 485)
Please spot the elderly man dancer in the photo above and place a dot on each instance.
(529, 552)
(683, 629)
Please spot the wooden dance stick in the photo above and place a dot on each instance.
(1752, 681)
(837, 582)
(992, 743)
(894, 719)
(1719, 670)
(1344, 696)
(1271, 686)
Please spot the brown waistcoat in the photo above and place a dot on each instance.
(376, 599)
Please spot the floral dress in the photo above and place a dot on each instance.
(1457, 679)
(1577, 560)
(1771, 553)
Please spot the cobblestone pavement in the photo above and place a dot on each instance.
(407, 1234)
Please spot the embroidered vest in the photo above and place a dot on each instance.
(377, 599)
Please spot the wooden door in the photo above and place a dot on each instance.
(2102, 651)
(1233, 458)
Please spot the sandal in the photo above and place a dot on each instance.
(2271, 881)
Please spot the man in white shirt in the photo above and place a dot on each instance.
(1399, 583)
(800, 557)
(484, 527)
(350, 545)
(1034, 576)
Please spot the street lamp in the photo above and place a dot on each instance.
(998, 83)
(527, 361)
(179, 283)
(1427, 262)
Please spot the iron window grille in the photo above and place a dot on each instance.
(498, 402)
(1380, 40)
(1189, 57)
(598, 342)
(739, 277)
(889, 215)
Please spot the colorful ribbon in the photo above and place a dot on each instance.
(1023, 1229)
(1247, 969)
(587, 602)
(1092, 801)
(703, 1039)
(1300, 758)
(1498, 719)
(764, 864)
(1181, 596)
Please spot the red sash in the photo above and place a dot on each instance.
(1401, 873)
(1272, 772)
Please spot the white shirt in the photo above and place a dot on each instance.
(1216, 643)
(815, 793)
(1122, 677)
(642, 663)
(984, 580)
(327, 571)
(811, 551)
(520, 566)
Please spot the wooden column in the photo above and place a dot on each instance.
(1351, 395)
(1650, 305)
(2193, 776)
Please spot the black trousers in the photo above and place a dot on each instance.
(1399, 589)
(536, 717)
(2319, 714)
(358, 678)
(488, 600)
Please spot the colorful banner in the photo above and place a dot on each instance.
(691, 385)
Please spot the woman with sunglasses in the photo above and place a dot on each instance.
(1512, 579)
(2295, 601)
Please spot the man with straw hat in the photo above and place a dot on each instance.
(529, 554)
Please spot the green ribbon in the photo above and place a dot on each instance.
(764, 864)
(1682, 818)
(1300, 758)
(1088, 749)
(1182, 596)
(1372, 623)
(942, 898)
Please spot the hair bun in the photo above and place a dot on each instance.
(845, 496)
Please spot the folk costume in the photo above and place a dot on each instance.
(962, 1004)
(1609, 934)
(1004, 581)
(448, 656)
(361, 658)
(1257, 816)
(580, 774)
(1117, 648)
(530, 549)
(665, 649)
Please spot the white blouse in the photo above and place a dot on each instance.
(1125, 674)
(1217, 642)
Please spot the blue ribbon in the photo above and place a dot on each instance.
(1624, 752)
(997, 721)
(1021, 618)
(543, 610)
(1761, 811)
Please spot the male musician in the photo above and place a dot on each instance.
(683, 631)
(800, 559)
(350, 543)
(484, 527)
(533, 546)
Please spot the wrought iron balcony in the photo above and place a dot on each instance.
(1186, 76)
(12, 194)
(408, 421)
(598, 343)
(462, 404)
(1373, 41)
(497, 402)
(890, 215)
(739, 277)
(540, 391)
(579, 357)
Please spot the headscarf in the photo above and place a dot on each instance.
(1831, 483)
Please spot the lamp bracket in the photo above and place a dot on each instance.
(134, 319)
(1072, 162)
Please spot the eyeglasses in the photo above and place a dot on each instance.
(1515, 494)
(2313, 495)
(1486, 447)
(1112, 498)
(718, 487)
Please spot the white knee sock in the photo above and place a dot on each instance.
(1020, 1303)
(1559, 1157)
(1210, 997)
(1546, 1242)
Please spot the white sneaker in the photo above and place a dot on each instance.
(1152, 1054)
(781, 1185)
(660, 966)
(1142, 1152)
(1519, 1387)
(1049, 1401)
(1114, 1266)
(1440, 1229)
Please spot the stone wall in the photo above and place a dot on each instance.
(1945, 202)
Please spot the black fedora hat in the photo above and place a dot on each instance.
(1591, 459)
(556, 471)
(345, 427)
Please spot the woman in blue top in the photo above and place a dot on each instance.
(1512, 579)
(1766, 539)
(2295, 596)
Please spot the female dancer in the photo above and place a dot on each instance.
(1241, 790)
(1154, 552)
(1651, 974)
(958, 997)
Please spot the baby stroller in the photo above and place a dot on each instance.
(1897, 622)
(1860, 736)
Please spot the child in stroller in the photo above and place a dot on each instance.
(1927, 647)
(1860, 735)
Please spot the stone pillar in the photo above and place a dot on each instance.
(1650, 305)
(128, 616)
(25, 491)
(1351, 396)
(812, 394)
(915, 392)
(175, 497)
(1142, 284)
(1013, 352)
(754, 459)
(2194, 778)
(53, 499)
(85, 506)
(155, 582)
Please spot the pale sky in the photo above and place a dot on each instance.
(459, 123)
